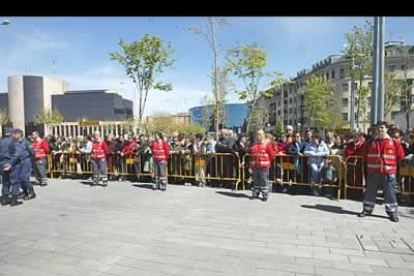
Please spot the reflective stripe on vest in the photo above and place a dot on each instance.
(39, 151)
(380, 166)
(97, 151)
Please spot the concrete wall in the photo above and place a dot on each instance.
(16, 101)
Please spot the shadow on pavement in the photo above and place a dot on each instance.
(88, 183)
(232, 194)
(330, 209)
(145, 186)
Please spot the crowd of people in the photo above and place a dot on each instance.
(187, 159)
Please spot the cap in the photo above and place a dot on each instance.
(17, 130)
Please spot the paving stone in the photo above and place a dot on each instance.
(72, 230)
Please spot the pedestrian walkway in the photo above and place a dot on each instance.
(73, 229)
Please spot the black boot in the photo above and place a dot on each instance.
(15, 202)
(31, 195)
(5, 200)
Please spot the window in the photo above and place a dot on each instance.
(342, 73)
(345, 102)
(278, 103)
(290, 122)
(332, 74)
(294, 100)
(285, 94)
(391, 68)
(290, 100)
(285, 111)
(285, 102)
(345, 87)
(285, 122)
(370, 85)
(355, 85)
(345, 116)
(278, 113)
(290, 110)
(402, 67)
(411, 51)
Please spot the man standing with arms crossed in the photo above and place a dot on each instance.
(41, 148)
(382, 155)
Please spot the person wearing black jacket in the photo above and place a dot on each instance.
(240, 149)
(225, 162)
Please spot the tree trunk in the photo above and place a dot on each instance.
(216, 79)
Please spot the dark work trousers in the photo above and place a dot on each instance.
(25, 175)
(260, 182)
(99, 169)
(40, 170)
(11, 181)
(160, 176)
(389, 184)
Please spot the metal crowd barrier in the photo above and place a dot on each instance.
(293, 170)
(202, 167)
(337, 173)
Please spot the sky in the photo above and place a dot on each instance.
(76, 49)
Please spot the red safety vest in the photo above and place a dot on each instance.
(158, 151)
(39, 150)
(97, 150)
(260, 155)
(383, 155)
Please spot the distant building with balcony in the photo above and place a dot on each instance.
(287, 105)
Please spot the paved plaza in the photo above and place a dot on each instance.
(127, 229)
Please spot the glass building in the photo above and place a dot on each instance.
(234, 115)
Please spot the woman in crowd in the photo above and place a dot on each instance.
(111, 157)
(316, 151)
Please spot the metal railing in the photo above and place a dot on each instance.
(332, 171)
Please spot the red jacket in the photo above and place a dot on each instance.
(355, 149)
(261, 153)
(383, 155)
(41, 148)
(128, 148)
(160, 150)
(99, 150)
(275, 148)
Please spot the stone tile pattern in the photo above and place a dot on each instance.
(72, 229)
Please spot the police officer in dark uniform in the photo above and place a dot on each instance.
(14, 166)
(28, 156)
(4, 158)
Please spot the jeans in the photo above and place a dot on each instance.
(99, 168)
(40, 170)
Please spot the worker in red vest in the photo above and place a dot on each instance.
(261, 154)
(382, 155)
(98, 160)
(160, 153)
(41, 148)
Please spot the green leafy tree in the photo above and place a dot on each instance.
(144, 61)
(248, 64)
(4, 117)
(394, 90)
(319, 97)
(210, 35)
(359, 50)
(278, 128)
(49, 117)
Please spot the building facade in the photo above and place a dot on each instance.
(235, 115)
(94, 105)
(288, 105)
(29, 96)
